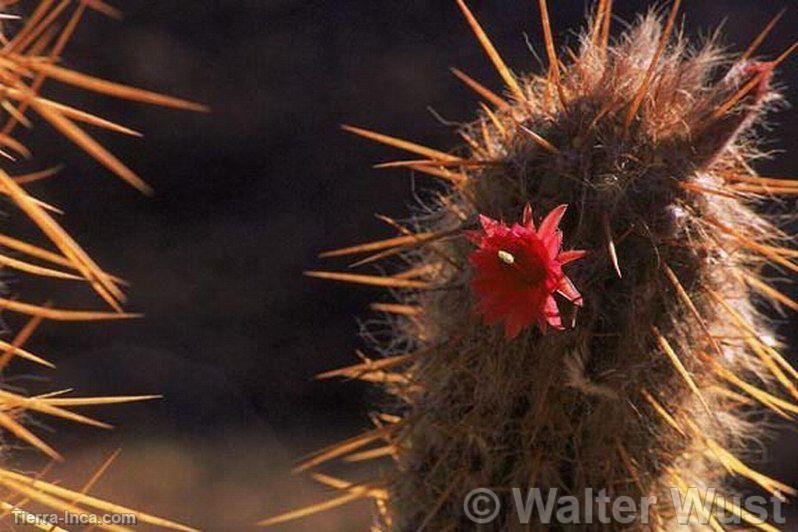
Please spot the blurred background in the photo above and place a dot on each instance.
(245, 199)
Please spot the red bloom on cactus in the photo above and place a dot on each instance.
(518, 269)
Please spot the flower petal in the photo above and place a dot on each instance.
(526, 219)
(474, 236)
(488, 224)
(569, 256)
(554, 243)
(551, 221)
(552, 313)
(569, 291)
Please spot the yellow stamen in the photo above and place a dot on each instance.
(506, 257)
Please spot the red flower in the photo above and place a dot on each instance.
(518, 269)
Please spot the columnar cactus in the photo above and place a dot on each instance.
(642, 367)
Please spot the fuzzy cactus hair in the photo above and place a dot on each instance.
(667, 373)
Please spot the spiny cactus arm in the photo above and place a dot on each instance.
(28, 58)
(668, 362)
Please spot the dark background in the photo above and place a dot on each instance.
(245, 199)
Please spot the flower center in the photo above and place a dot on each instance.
(526, 269)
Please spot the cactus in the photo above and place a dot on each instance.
(644, 366)
(30, 55)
